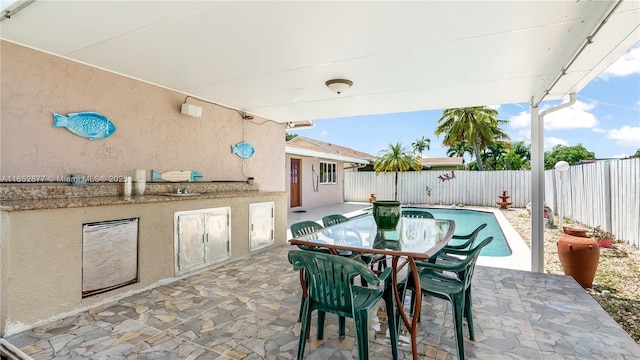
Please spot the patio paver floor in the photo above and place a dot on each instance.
(248, 310)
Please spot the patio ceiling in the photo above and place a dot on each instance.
(272, 58)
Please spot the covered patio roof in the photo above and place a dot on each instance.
(272, 58)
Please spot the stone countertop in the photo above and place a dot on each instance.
(19, 197)
(60, 203)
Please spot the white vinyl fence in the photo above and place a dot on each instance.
(603, 193)
(480, 188)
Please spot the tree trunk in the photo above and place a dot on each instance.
(395, 197)
(478, 159)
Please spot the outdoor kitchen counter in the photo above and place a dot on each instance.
(43, 234)
(41, 204)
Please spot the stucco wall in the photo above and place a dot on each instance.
(44, 256)
(151, 133)
(326, 194)
(40, 250)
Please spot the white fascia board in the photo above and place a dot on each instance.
(322, 155)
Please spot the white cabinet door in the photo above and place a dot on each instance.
(218, 235)
(261, 225)
(190, 234)
(202, 237)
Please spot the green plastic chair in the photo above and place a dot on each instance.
(417, 214)
(308, 227)
(331, 289)
(305, 228)
(468, 239)
(436, 282)
(343, 236)
(445, 258)
(333, 219)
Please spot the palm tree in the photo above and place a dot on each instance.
(477, 125)
(459, 149)
(522, 149)
(421, 145)
(397, 158)
(493, 153)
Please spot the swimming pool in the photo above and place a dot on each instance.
(467, 221)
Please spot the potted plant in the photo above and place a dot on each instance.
(604, 238)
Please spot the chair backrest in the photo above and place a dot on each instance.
(305, 228)
(330, 277)
(333, 219)
(417, 214)
(474, 236)
(470, 261)
(470, 239)
(343, 236)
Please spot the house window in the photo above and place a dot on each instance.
(328, 173)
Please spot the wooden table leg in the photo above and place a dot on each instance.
(412, 326)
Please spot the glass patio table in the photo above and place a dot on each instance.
(413, 239)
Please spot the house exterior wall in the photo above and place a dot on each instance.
(40, 250)
(150, 131)
(326, 194)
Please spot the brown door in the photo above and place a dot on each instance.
(295, 183)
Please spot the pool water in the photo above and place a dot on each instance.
(467, 221)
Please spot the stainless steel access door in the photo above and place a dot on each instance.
(109, 255)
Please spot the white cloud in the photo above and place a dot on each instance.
(574, 117)
(523, 119)
(524, 135)
(620, 156)
(324, 132)
(550, 142)
(626, 135)
(628, 64)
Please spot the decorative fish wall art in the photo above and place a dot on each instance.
(244, 150)
(88, 124)
(174, 176)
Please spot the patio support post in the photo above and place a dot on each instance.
(537, 190)
(537, 181)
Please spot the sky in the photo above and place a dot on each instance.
(605, 119)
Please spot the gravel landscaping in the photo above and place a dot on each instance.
(616, 286)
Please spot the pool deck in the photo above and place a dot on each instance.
(247, 309)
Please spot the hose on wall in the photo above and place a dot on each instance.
(315, 179)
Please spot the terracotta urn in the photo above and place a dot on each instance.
(579, 256)
(580, 232)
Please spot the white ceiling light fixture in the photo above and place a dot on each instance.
(338, 85)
